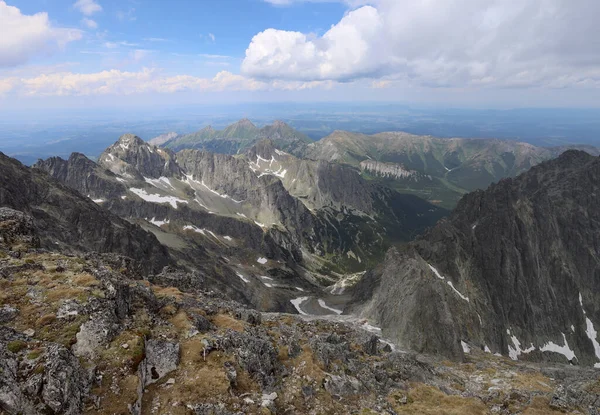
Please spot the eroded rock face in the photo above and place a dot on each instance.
(64, 219)
(54, 382)
(514, 270)
(17, 228)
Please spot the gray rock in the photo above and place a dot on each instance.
(162, 357)
(97, 331)
(7, 313)
(344, 385)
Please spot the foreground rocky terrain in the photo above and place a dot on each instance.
(88, 334)
(514, 270)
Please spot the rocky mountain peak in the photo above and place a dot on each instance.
(574, 158)
(132, 157)
(126, 141)
(280, 124)
(245, 122)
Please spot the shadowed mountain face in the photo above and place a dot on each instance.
(436, 169)
(514, 270)
(239, 137)
(67, 220)
(306, 221)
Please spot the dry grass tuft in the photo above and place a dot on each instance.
(225, 321)
(85, 280)
(427, 400)
(45, 320)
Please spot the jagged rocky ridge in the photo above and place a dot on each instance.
(302, 207)
(514, 270)
(89, 335)
(69, 221)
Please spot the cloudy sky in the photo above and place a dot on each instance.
(473, 53)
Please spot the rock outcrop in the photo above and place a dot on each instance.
(514, 270)
(65, 219)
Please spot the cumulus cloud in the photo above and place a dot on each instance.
(116, 82)
(89, 23)
(87, 7)
(450, 43)
(25, 36)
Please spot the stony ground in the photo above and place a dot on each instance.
(88, 335)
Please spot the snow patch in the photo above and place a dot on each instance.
(241, 214)
(158, 223)
(156, 198)
(164, 181)
(228, 238)
(297, 302)
(465, 347)
(565, 350)
(262, 260)
(458, 292)
(194, 228)
(590, 331)
(262, 225)
(324, 305)
(436, 272)
(487, 349)
(516, 351)
(592, 335)
(243, 278)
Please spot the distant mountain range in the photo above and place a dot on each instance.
(439, 170)
(239, 137)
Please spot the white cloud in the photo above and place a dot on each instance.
(87, 7)
(128, 15)
(212, 37)
(209, 56)
(89, 23)
(114, 45)
(116, 82)
(25, 36)
(499, 43)
(138, 55)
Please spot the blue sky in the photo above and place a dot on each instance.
(475, 53)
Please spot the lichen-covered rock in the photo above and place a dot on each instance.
(162, 357)
(7, 313)
(255, 354)
(97, 331)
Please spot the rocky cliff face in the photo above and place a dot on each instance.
(67, 220)
(514, 270)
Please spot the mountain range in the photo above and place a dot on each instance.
(252, 270)
(439, 170)
(276, 223)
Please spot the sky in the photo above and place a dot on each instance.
(459, 53)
